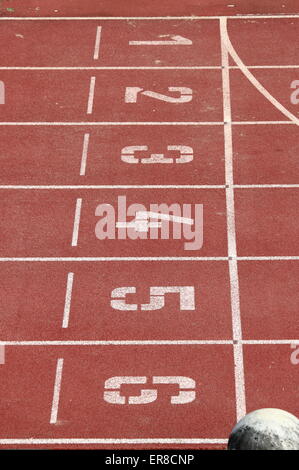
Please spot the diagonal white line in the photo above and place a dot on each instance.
(229, 47)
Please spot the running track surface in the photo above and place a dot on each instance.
(63, 127)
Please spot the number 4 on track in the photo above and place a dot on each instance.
(170, 40)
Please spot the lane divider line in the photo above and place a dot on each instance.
(148, 342)
(231, 232)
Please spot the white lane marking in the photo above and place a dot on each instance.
(248, 186)
(84, 154)
(118, 258)
(231, 233)
(150, 186)
(115, 342)
(148, 258)
(56, 393)
(68, 299)
(76, 222)
(64, 441)
(124, 67)
(229, 47)
(147, 342)
(97, 43)
(142, 18)
(267, 258)
(247, 123)
(152, 67)
(142, 123)
(117, 186)
(91, 95)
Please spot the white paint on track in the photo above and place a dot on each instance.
(149, 67)
(56, 394)
(144, 258)
(117, 343)
(84, 154)
(229, 47)
(117, 186)
(97, 43)
(68, 299)
(143, 123)
(91, 441)
(77, 222)
(231, 233)
(147, 342)
(142, 18)
(117, 258)
(91, 95)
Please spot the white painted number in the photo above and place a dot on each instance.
(157, 298)
(128, 155)
(149, 395)
(170, 40)
(295, 94)
(132, 94)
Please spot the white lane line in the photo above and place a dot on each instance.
(91, 95)
(113, 123)
(76, 441)
(145, 258)
(147, 342)
(117, 186)
(76, 222)
(268, 258)
(97, 43)
(253, 186)
(68, 299)
(56, 393)
(229, 47)
(153, 67)
(115, 258)
(84, 154)
(260, 123)
(142, 18)
(149, 186)
(124, 67)
(117, 343)
(144, 123)
(231, 233)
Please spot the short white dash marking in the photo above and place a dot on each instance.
(97, 43)
(76, 222)
(91, 95)
(84, 154)
(68, 299)
(56, 394)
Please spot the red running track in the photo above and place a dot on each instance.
(197, 361)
